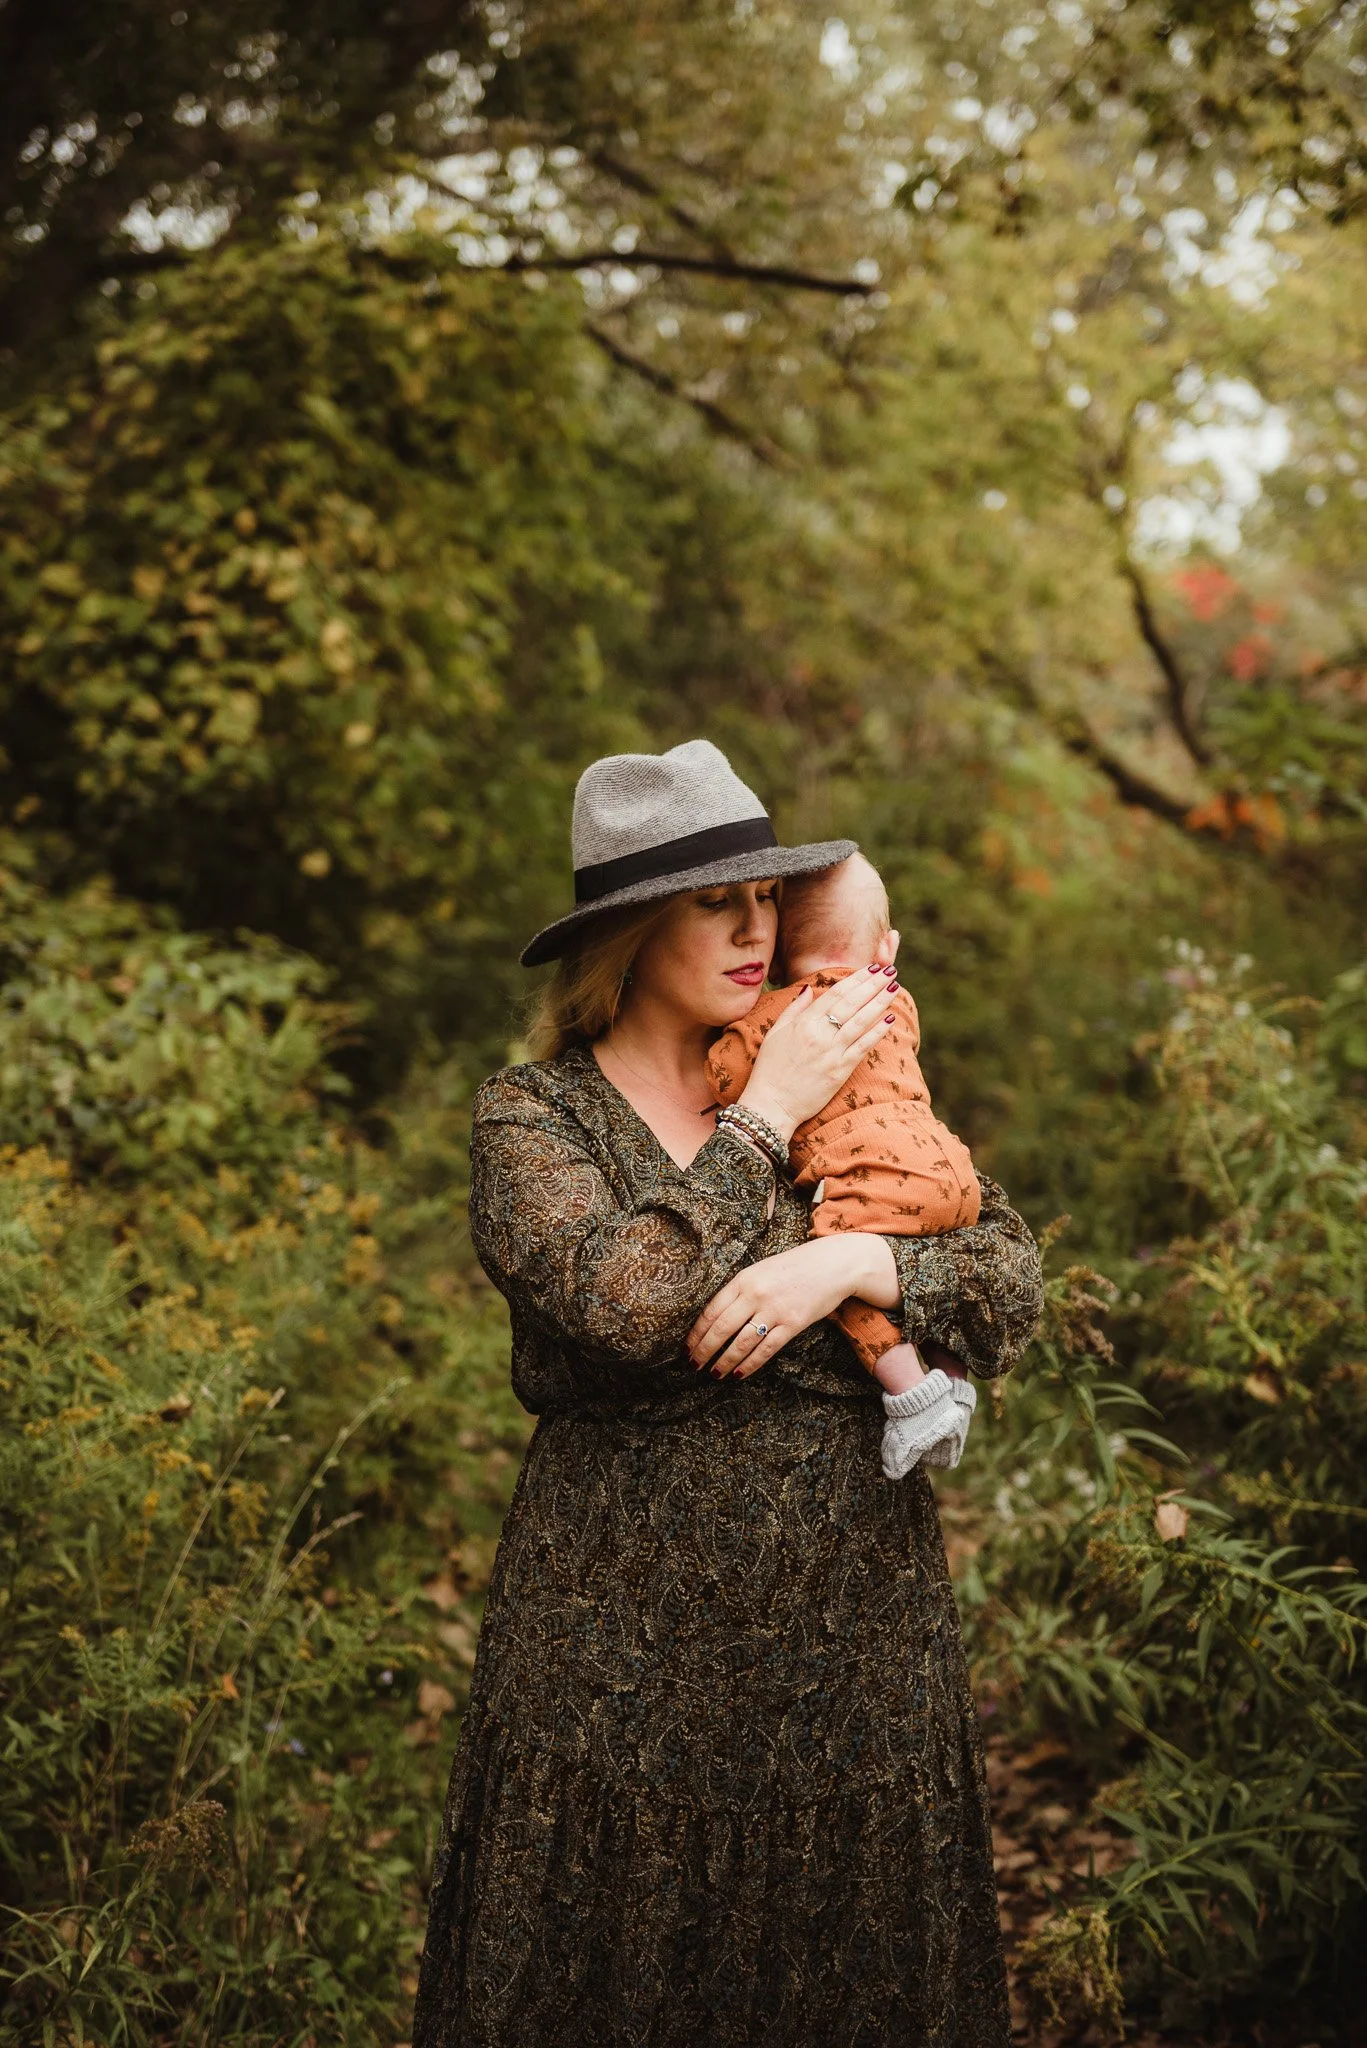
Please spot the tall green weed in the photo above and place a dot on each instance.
(1173, 1574)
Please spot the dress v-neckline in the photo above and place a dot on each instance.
(588, 1053)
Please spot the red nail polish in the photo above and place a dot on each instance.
(874, 968)
(893, 987)
(887, 970)
(889, 1018)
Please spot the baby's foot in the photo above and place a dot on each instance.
(917, 1420)
(945, 1455)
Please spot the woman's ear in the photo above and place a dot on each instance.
(886, 952)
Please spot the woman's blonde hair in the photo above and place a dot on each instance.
(581, 1000)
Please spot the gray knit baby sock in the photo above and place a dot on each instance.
(916, 1420)
(945, 1455)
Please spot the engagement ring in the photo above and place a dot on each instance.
(760, 1329)
(832, 1020)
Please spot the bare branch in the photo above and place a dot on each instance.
(699, 266)
(761, 447)
(1178, 688)
(1072, 731)
(1130, 787)
(640, 181)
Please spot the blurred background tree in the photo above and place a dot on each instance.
(959, 414)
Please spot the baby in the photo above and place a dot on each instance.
(875, 1156)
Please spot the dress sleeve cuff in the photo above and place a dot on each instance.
(736, 1172)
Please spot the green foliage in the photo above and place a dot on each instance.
(1190, 1607)
(283, 569)
(1069, 1969)
(172, 1677)
(248, 1409)
(128, 1046)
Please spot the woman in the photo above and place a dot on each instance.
(720, 1780)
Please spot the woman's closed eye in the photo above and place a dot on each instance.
(724, 902)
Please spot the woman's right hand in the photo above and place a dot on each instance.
(814, 1047)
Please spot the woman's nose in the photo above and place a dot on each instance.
(751, 927)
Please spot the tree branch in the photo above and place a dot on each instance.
(761, 447)
(700, 266)
(1130, 787)
(1072, 731)
(641, 182)
(1178, 689)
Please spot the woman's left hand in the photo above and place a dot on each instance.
(773, 1301)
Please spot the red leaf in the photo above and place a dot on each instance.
(1207, 590)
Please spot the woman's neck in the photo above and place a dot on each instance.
(661, 1049)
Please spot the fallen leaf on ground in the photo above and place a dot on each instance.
(442, 1593)
(459, 1637)
(434, 1700)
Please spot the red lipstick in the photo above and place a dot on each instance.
(749, 976)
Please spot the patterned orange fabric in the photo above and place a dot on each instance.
(889, 1165)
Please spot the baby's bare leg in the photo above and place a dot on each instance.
(935, 1354)
(899, 1369)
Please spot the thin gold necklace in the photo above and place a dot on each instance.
(644, 1081)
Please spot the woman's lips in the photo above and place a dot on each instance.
(747, 977)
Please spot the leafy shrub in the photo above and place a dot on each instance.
(285, 561)
(1190, 1606)
(129, 1046)
(255, 1439)
(173, 1680)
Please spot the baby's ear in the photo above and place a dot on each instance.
(886, 952)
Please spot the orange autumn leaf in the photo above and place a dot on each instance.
(1250, 657)
(1216, 814)
(1207, 590)
(1262, 816)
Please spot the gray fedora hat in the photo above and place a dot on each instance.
(648, 825)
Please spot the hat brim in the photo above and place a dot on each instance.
(741, 867)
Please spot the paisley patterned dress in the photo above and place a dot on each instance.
(720, 1780)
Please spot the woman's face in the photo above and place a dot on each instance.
(707, 958)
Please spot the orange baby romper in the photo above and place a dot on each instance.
(888, 1164)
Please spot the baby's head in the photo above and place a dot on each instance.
(838, 918)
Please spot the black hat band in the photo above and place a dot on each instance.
(675, 857)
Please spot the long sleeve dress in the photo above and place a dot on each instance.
(720, 1780)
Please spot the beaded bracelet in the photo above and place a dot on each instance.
(757, 1129)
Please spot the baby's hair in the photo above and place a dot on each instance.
(836, 916)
